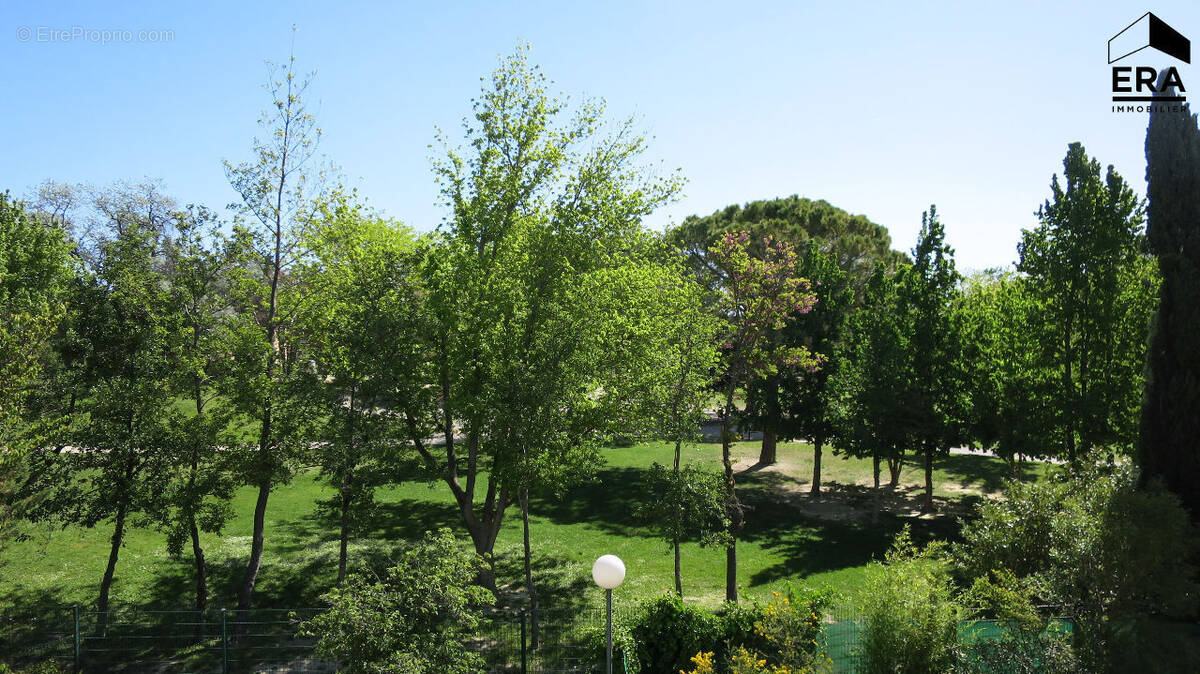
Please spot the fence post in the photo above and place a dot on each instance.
(78, 655)
(224, 643)
(523, 643)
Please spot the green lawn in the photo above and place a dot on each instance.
(789, 536)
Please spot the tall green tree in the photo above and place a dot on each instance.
(756, 301)
(1087, 271)
(1170, 418)
(685, 504)
(1008, 385)
(530, 286)
(112, 460)
(852, 242)
(198, 259)
(279, 189)
(36, 274)
(362, 322)
(869, 386)
(675, 391)
(934, 398)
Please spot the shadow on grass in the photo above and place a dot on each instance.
(837, 529)
(609, 503)
(982, 472)
(562, 584)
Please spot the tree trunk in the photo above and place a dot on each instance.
(877, 496)
(678, 573)
(483, 536)
(529, 586)
(816, 481)
(927, 507)
(256, 550)
(201, 566)
(731, 594)
(767, 455)
(894, 468)
(675, 542)
(734, 507)
(105, 585)
(1069, 392)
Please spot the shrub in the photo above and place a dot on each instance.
(668, 633)
(1114, 557)
(739, 628)
(910, 614)
(415, 620)
(791, 627)
(782, 637)
(1031, 643)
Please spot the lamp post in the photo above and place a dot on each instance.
(608, 572)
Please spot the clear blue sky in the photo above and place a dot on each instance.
(880, 108)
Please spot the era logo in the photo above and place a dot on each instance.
(1127, 79)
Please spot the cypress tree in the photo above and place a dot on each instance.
(1169, 443)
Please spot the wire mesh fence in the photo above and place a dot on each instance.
(265, 640)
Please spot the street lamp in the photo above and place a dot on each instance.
(608, 572)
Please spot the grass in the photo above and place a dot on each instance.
(790, 537)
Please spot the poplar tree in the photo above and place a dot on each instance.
(934, 399)
(1087, 271)
(868, 388)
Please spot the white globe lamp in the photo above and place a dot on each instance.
(608, 572)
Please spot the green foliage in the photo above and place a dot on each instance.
(933, 400)
(34, 275)
(794, 403)
(910, 613)
(198, 259)
(547, 295)
(867, 388)
(1107, 554)
(362, 323)
(121, 422)
(1094, 292)
(415, 619)
(669, 632)
(280, 191)
(688, 505)
(625, 650)
(790, 627)
(1031, 643)
(1009, 387)
(784, 634)
(854, 242)
(1170, 421)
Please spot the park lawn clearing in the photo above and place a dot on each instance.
(790, 536)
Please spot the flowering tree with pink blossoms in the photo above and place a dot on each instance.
(760, 293)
